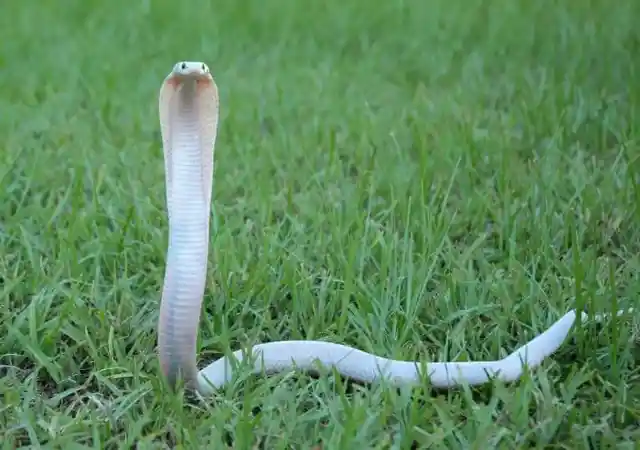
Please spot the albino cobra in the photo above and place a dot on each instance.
(188, 109)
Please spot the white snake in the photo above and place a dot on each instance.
(188, 107)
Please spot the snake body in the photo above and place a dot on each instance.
(188, 110)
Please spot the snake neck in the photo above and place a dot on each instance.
(187, 254)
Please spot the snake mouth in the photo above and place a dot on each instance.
(200, 79)
(193, 75)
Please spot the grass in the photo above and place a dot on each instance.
(430, 180)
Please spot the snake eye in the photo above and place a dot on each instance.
(183, 66)
(205, 68)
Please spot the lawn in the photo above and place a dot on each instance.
(423, 180)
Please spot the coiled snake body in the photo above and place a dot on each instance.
(188, 109)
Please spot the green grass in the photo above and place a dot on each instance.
(430, 180)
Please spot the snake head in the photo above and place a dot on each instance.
(191, 69)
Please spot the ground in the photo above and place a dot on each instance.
(424, 180)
